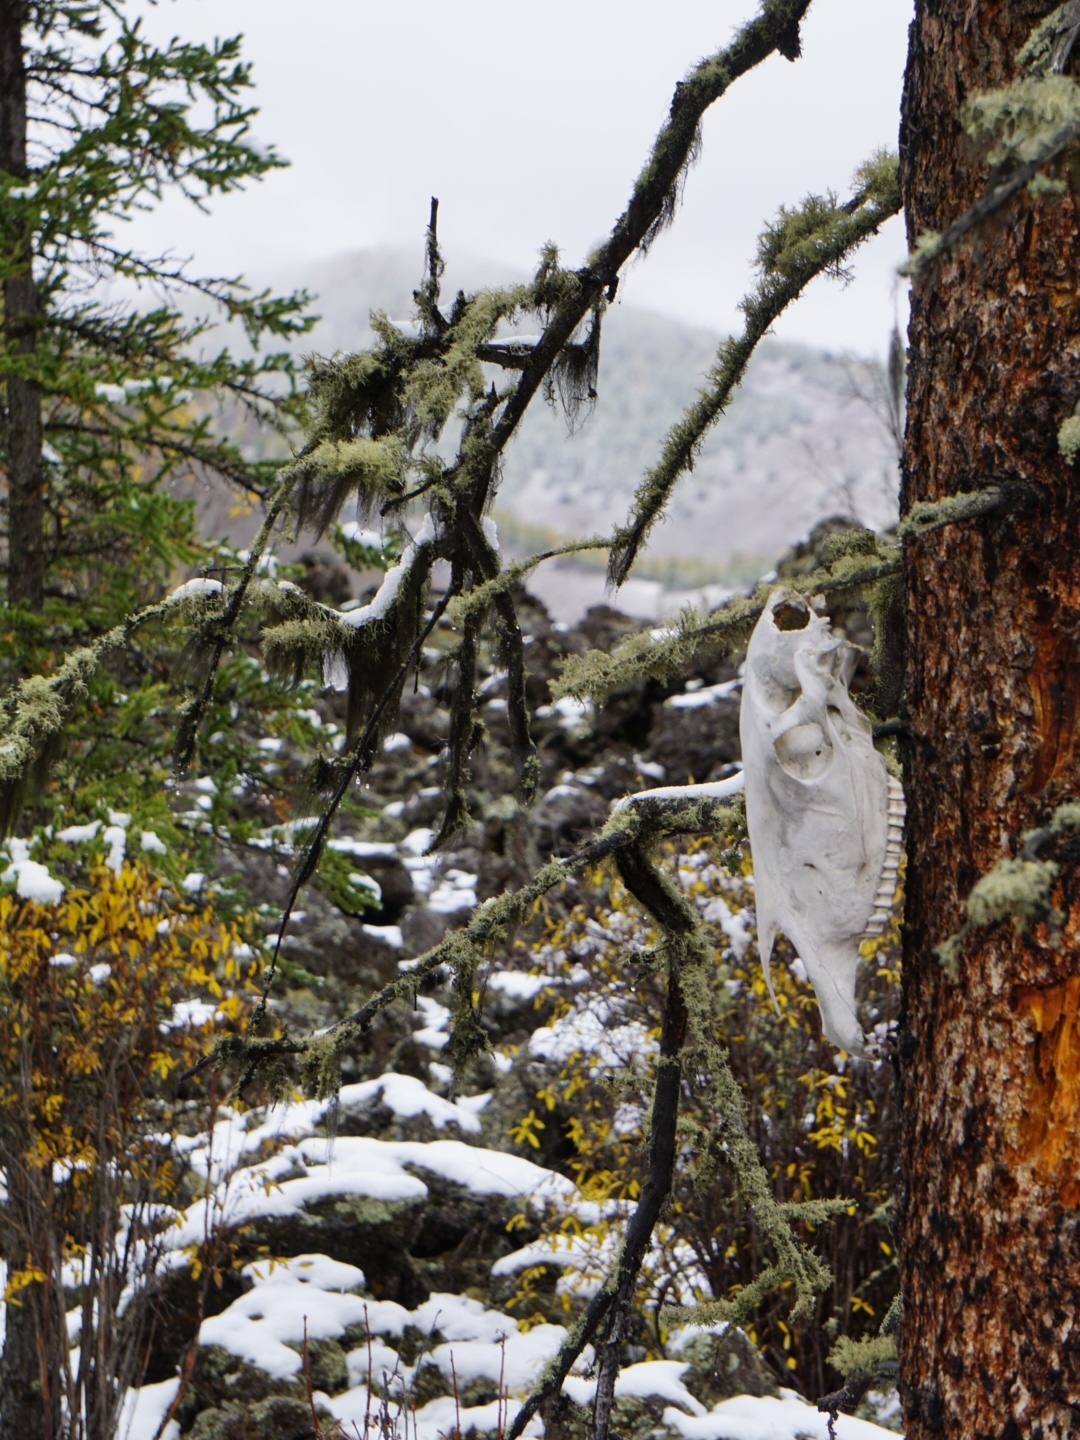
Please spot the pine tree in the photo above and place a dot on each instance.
(105, 404)
(102, 399)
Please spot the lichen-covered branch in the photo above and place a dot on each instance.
(1031, 122)
(218, 632)
(1002, 498)
(684, 949)
(598, 674)
(37, 711)
(802, 244)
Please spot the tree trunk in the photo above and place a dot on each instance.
(22, 417)
(990, 1061)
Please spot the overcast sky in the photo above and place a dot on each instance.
(529, 120)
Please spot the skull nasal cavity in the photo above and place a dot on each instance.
(791, 617)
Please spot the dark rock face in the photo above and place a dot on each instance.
(696, 743)
(220, 1379)
(375, 1235)
(277, 1418)
(725, 1365)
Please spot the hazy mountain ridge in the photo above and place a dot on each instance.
(797, 443)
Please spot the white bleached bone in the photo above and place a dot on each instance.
(824, 815)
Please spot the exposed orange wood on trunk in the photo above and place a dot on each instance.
(1049, 1130)
(1055, 693)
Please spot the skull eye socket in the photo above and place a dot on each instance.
(778, 697)
(804, 751)
(791, 616)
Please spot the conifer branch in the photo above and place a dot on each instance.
(218, 633)
(802, 244)
(359, 760)
(656, 192)
(599, 673)
(480, 596)
(39, 709)
(931, 247)
(681, 932)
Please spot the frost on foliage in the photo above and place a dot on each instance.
(823, 813)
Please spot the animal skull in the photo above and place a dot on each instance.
(825, 817)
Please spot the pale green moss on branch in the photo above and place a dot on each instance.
(35, 715)
(1017, 888)
(665, 654)
(1023, 118)
(872, 1356)
(972, 505)
(1068, 438)
(1028, 124)
(481, 596)
(814, 239)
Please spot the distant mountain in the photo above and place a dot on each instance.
(803, 438)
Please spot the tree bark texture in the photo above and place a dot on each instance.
(990, 1061)
(22, 395)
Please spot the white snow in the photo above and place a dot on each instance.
(434, 1033)
(650, 768)
(705, 695)
(371, 538)
(518, 985)
(389, 934)
(376, 1168)
(189, 1012)
(383, 1360)
(572, 1252)
(265, 1325)
(713, 790)
(588, 1031)
(455, 892)
(286, 1294)
(364, 882)
(406, 1096)
(79, 834)
(192, 588)
(519, 1359)
(144, 1410)
(749, 1417)
(662, 1378)
(738, 927)
(362, 849)
(193, 882)
(384, 597)
(151, 843)
(116, 839)
(31, 879)
(353, 1165)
